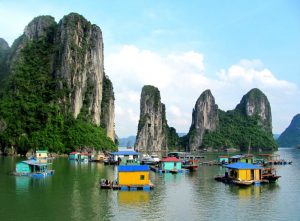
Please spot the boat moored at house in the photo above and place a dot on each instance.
(190, 164)
(33, 168)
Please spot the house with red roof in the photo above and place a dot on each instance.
(170, 164)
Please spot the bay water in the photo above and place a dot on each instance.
(73, 193)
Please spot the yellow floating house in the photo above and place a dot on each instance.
(244, 173)
(134, 177)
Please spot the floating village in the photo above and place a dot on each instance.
(134, 168)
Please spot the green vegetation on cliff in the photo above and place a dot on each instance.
(173, 138)
(239, 131)
(31, 117)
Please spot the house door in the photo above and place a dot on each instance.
(252, 174)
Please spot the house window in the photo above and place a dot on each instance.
(175, 164)
(142, 177)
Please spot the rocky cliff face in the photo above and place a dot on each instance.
(77, 65)
(152, 128)
(205, 118)
(3, 45)
(291, 135)
(4, 51)
(39, 27)
(108, 108)
(254, 103)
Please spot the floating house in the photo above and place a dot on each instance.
(133, 175)
(41, 154)
(81, 157)
(32, 168)
(244, 158)
(169, 165)
(84, 157)
(74, 156)
(243, 173)
(130, 177)
(125, 155)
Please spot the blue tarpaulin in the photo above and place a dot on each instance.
(133, 168)
(243, 166)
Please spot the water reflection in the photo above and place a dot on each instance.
(22, 184)
(133, 197)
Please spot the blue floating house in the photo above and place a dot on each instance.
(32, 168)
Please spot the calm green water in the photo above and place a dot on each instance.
(73, 194)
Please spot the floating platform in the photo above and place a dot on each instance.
(113, 186)
(229, 180)
(38, 174)
(159, 170)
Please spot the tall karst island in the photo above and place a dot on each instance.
(55, 94)
(247, 127)
(153, 133)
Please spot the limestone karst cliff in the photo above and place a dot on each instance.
(4, 52)
(255, 102)
(79, 65)
(248, 126)
(54, 71)
(204, 118)
(152, 127)
(291, 135)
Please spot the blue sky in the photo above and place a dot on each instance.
(184, 48)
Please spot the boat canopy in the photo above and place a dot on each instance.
(243, 166)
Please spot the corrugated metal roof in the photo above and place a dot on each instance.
(241, 166)
(133, 168)
(125, 153)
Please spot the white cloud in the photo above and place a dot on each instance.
(181, 78)
(251, 73)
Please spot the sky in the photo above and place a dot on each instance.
(184, 48)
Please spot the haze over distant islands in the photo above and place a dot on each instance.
(184, 49)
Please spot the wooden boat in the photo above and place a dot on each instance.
(191, 165)
(270, 175)
(173, 171)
